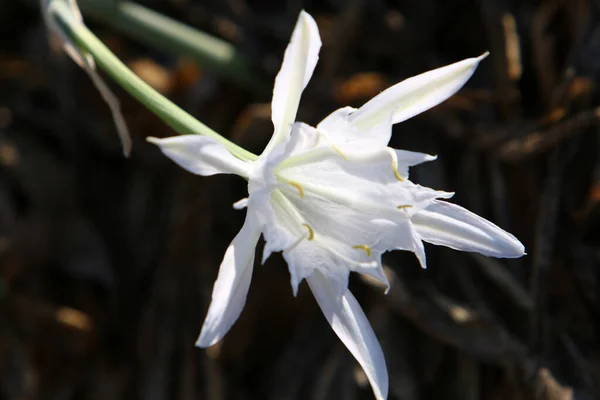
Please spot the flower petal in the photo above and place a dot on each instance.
(450, 225)
(308, 242)
(350, 323)
(299, 62)
(407, 159)
(354, 179)
(336, 212)
(201, 155)
(287, 231)
(231, 286)
(415, 95)
(309, 257)
(347, 137)
(353, 207)
(399, 234)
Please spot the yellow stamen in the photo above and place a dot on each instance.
(364, 247)
(396, 172)
(297, 186)
(337, 150)
(404, 206)
(392, 154)
(334, 147)
(311, 233)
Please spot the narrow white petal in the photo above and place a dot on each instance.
(201, 155)
(419, 250)
(329, 258)
(447, 224)
(355, 181)
(337, 120)
(400, 234)
(231, 286)
(350, 323)
(299, 62)
(282, 228)
(376, 272)
(415, 95)
(347, 137)
(407, 159)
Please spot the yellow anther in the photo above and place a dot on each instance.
(404, 206)
(297, 186)
(396, 172)
(311, 233)
(364, 247)
(392, 154)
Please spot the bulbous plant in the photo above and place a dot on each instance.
(333, 198)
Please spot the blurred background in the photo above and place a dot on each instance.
(107, 263)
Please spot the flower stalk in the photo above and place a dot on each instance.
(157, 30)
(166, 110)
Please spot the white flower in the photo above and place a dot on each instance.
(334, 198)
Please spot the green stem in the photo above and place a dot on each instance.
(157, 30)
(170, 113)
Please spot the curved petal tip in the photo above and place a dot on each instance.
(231, 287)
(450, 225)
